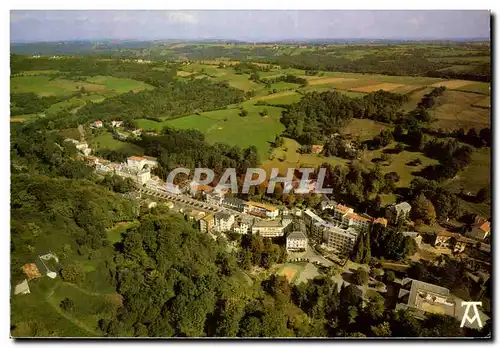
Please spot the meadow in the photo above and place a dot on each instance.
(227, 126)
(105, 140)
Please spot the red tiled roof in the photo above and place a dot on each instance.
(485, 226)
(31, 270)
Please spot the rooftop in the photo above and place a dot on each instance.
(135, 158)
(223, 215)
(31, 270)
(262, 205)
(296, 235)
(268, 223)
(485, 226)
(342, 208)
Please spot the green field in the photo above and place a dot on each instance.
(105, 140)
(45, 86)
(363, 128)
(120, 85)
(115, 233)
(478, 87)
(226, 126)
(290, 98)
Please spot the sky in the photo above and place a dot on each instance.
(249, 25)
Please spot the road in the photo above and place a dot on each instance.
(193, 203)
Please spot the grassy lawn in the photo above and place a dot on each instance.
(284, 98)
(44, 86)
(363, 128)
(398, 163)
(288, 157)
(115, 233)
(106, 140)
(24, 118)
(120, 85)
(44, 317)
(65, 105)
(479, 87)
(227, 126)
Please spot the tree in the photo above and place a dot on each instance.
(390, 276)
(399, 147)
(382, 330)
(263, 113)
(423, 209)
(483, 195)
(73, 273)
(243, 113)
(360, 276)
(375, 307)
(67, 305)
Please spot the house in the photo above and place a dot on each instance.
(317, 149)
(480, 230)
(381, 221)
(296, 241)
(22, 288)
(116, 123)
(398, 212)
(348, 218)
(194, 215)
(31, 271)
(137, 132)
(139, 162)
(451, 240)
(195, 188)
(261, 209)
(223, 221)
(268, 228)
(285, 211)
(207, 223)
(96, 124)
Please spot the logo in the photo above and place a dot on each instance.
(466, 317)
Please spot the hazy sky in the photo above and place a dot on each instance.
(246, 25)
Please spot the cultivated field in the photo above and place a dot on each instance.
(382, 86)
(120, 85)
(453, 84)
(45, 86)
(106, 141)
(456, 110)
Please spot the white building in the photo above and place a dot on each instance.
(342, 241)
(268, 228)
(261, 209)
(96, 124)
(397, 212)
(141, 176)
(223, 222)
(243, 225)
(116, 123)
(22, 288)
(296, 241)
(329, 204)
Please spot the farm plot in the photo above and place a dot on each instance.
(328, 80)
(483, 103)
(381, 86)
(120, 85)
(452, 84)
(477, 87)
(45, 86)
(456, 110)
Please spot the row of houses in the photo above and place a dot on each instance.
(258, 209)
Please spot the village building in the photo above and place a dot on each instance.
(268, 228)
(328, 204)
(451, 240)
(194, 215)
(116, 123)
(96, 124)
(480, 230)
(341, 240)
(233, 203)
(223, 222)
(296, 241)
(421, 298)
(261, 209)
(139, 162)
(31, 271)
(22, 288)
(207, 223)
(214, 198)
(141, 176)
(243, 225)
(317, 149)
(398, 212)
(81, 146)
